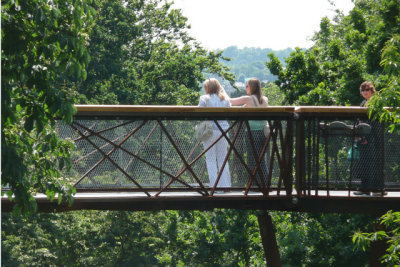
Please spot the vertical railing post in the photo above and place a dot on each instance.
(300, 155)
(316, 155)
(383, 154)
(289, 158)
(161, 158)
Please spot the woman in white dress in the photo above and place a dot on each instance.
(216, 97)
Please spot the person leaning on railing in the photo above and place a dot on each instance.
(253, 99)
(216, 97)
(370, 166)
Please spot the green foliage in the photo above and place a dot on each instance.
(389, 96)
(307, 239)
(218, 238)
(390, 233)
(85, 238)
(141, 54)
(177, 238)
(171, 238)
(385, 106)
(348, 50)
(39, 41)
(275, 96)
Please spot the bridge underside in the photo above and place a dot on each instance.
(336, 202)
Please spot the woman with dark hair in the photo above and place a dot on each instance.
(216, 97)
(367, 90)
(255, 99)
(370, 165)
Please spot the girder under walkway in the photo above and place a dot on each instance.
(336, 202)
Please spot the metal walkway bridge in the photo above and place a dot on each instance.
(147, 158)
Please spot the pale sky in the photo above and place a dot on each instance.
(275, 24)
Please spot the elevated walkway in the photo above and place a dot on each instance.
(147, 158)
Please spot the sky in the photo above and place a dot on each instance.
(275, 24)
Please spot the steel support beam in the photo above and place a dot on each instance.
(268, 238)
(361, 205)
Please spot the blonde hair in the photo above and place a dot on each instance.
(212, 86)
(255, 89)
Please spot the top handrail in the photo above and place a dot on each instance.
(173, 108)
(181, 111)
(331, 109)
(172, 111)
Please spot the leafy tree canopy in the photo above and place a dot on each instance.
(39, 41)
(142, 54)
(347, 51)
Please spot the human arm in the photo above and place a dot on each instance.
(240, 101)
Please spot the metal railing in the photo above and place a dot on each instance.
(327, 163)
(153, 149)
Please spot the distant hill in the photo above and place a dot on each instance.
(250, 62)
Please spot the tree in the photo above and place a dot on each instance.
(347, 51)
(389, 96)
(275, 96)
(39, 41)
(142, 54)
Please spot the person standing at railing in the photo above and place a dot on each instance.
(254, 99)
(216, 97)
(370, 166)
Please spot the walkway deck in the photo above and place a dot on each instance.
(337, 202)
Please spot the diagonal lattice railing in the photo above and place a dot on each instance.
(153, 150)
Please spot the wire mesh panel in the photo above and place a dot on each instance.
(392, 160)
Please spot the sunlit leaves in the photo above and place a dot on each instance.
(42, 42)
(385, 105)
(391, 56)
(390, 222)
